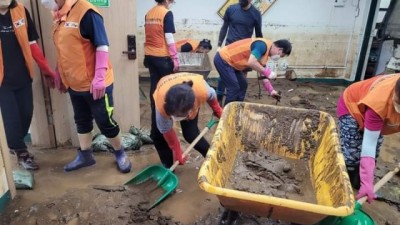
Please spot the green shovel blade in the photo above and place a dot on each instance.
(358, 217)
(163, 177)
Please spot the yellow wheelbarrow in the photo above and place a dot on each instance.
(281, 131)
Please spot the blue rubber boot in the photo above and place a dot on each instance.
(123, 163)
(83, 159)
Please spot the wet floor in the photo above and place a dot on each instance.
(189, 202)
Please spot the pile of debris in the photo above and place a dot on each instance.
(131, 141)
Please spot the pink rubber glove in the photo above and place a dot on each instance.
(268, 73)
(58, 84)
(367, 167)
(175, 146)
(98, 87)
(174, 56)
(268, 86)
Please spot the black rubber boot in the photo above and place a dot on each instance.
(82, 159)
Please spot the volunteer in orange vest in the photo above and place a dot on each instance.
(178, 98)
(86, 72)
(241, 20)
(190, 45)
(367, 110)
(160, 53)
(252, 53)
(18, 49)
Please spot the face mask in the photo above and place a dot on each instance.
(176, 118)
(50, 5)
(243, 3)
(4, 4)
(275, 57)
(170, 4)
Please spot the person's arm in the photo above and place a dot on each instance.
(37, 52)
(213, 101)
(258, 24)
(92, 28)
(165, 126)
(224, 28)
(373, 125)
(169, 30)
(258, 49)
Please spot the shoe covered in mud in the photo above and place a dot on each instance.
(83, 158)
(123, 163)
(26, 160)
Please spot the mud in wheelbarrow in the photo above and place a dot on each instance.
(279, 130)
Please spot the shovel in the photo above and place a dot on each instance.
(359, 217)
(163, 176)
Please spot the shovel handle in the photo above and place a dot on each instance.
(381, 182)
(203, 132)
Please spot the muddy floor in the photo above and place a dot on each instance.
(261, 172)
(96, 195)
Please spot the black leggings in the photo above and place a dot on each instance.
(190, 131)
(17, 110)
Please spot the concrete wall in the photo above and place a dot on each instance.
(323, 35)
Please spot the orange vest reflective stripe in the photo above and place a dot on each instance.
(76, 55)
(165, 83)
(375, 93)
(155, 44)
(20, 25)
(195, 44)
(237, 54)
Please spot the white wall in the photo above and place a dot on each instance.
(322, 35)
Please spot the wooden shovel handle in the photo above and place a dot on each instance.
(203, 132)
(381, 182)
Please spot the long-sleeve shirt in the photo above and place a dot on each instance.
(372, 120)
(165, 124)
(239, 24)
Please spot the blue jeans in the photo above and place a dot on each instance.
(234, 80)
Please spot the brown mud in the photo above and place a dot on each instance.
(64, 198)
(269, 174)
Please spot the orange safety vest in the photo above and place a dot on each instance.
(165, 83)
(375, 93)
(76, 55)
(155, 43)
(195, 44)
(237, 54)
(20, 22)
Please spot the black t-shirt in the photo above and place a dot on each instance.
(16, 73)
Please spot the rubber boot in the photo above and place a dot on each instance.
(83, 159)
(123, 163)
(354, 175)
